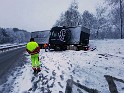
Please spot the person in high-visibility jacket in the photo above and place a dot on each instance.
(33, 49)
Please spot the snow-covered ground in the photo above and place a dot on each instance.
(88, 68)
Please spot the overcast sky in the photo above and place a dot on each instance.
(37, 15)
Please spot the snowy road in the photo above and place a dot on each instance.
(8, 60)
(98, 71)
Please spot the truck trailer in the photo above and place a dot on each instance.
(41, 37)
(62, 38)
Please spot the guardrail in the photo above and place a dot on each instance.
(11, 47)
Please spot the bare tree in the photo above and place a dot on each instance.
(118, 4)
(88, 19)
(121, 19)
(101, 20)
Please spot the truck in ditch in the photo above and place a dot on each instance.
(63, 38)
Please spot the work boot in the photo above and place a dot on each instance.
(38, 69)
(35, 70)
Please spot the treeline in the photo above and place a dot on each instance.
(13, 35)
(105, 23)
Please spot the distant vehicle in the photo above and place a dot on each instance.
(63, 38)
(41, 37)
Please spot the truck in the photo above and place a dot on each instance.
(63, 38)
(59, 38)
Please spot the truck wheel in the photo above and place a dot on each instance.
(57, 48)
(85, 48)
(77, 48)
(64, 48)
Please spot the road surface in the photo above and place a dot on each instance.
(8, 61)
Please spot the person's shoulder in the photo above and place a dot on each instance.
(36, 43)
